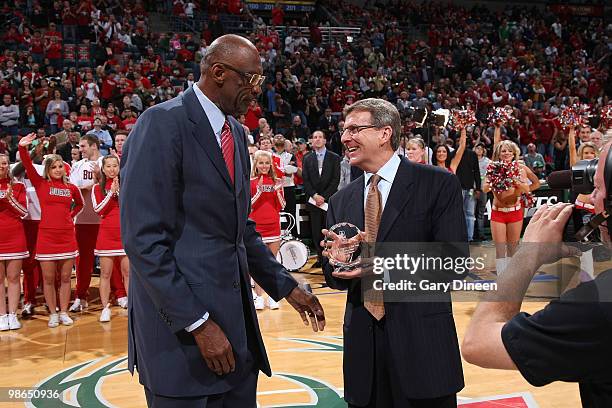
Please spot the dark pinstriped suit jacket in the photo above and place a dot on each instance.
(424, 205)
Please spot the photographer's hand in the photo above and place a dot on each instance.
(546, 228)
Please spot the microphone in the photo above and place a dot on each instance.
(561, 179)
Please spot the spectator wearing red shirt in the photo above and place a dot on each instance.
(336, 101)
(129, 119)
(96, 109)
(37, 47)
(69, 22)
(144, 80)
(527, 134)
(83, 17)
(178, 8)
(316, 37)
(113, 121)
(184, 55)
(109, 86)
(278, 15)
(42, 95)
(52, 33)
(545, 129)
(12, 38)
(85, 120)
(254, 112)
(234, 7)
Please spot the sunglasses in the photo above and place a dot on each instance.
(252, 79)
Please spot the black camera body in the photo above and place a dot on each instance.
(581, 180)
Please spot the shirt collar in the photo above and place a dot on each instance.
(214, 114)
(321, 152)
(388, 171)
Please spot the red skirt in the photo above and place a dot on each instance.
(109, 242)
(269, 232)
(13, 242)
(55, 244)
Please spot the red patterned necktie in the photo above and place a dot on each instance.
(227, 148)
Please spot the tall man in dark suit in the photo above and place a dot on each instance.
(468, 173)
(327, 120)
(321, 174)
(193, 332)
(395, 354)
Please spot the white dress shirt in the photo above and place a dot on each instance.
(215, 116)
(387, 174)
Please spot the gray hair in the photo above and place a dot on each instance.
(384, 113)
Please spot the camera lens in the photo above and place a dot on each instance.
(583, 174)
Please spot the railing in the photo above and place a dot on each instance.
(328, 34)
(195, 24)
(233, 24)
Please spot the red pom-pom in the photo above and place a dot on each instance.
(606, 116)
(574, 116)
(501, 115)
(461, 118)
(502, 175)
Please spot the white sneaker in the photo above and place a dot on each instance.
(78, 305)
(273, 304)
(65, 319)
(27, 310)
(53, 320)
(259, 303)
(105, 316)
(13, 322)
(123, 302)
(4, 323)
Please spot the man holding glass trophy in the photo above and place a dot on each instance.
(400, 353)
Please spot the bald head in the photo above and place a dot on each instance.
(231, 74)
(228, 48)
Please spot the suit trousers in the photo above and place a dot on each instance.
(317, 223)
(243, 395)
(386, 389)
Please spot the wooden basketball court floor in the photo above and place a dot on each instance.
(87, 361)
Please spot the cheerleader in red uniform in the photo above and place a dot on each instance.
(267, 201)
(56, 245)
(105, 200)
(13, 247)
(507, 212)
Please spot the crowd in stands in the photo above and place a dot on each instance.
(94, 66)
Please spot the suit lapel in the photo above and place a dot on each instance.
(354, 206)
(204, 134)
(399, 196)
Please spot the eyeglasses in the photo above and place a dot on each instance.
(252, 79)
(355, 129)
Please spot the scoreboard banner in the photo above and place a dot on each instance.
(578, 10)
(289, 5)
